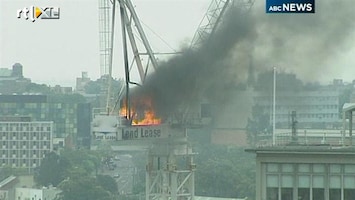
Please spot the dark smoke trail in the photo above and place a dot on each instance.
(185, 78)
(306, 44)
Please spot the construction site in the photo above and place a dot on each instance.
(154, 113)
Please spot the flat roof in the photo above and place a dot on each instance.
(216, 198)
(304, 149)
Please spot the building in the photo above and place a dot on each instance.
(315, 109)
(24, 143)
(7, 188)
(36, 194)
(70, 119)
(81, 82)
(305, 173)
(12, 80)
(300, 168)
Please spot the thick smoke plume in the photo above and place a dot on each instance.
(309, 45)
(185, 78)
(306, 44)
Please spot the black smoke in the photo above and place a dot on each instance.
(201, 72)
(305, 44)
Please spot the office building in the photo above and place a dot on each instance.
(70, 119)
(24, 143)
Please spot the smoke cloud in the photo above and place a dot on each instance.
(309, 45)
(305, 44)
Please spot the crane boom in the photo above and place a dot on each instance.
(132, 21)
(170, 167)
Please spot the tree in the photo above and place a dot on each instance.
(224, 172)
(53, 170)
(73, 171)
(258, 124)
(83, 188)
(107, 182)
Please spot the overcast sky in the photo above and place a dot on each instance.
(57, 51)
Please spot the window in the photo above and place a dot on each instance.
(272, 184)
(334, 184)
(286, 184)
(318, 186)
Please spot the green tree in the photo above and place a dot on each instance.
(53, 170)
(258, 124)
(83, 188)
(224, 172)
(73, 171)
(107, 182)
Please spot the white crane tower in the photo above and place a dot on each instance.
(170, 167)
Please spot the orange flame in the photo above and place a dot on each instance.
(142, 112)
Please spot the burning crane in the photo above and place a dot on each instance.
(145, 110)
(141, 112)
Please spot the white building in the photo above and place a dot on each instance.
(24, 143)
(314, 109)
(36, 194)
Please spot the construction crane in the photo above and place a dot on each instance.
(213, 17)
(170, 168)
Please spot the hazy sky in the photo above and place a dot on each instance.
(57, 51)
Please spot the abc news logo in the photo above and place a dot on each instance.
(290, 6)
(33, 13)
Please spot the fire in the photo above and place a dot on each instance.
(142, 112)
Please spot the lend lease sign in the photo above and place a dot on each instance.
(290, 6)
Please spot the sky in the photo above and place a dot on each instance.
(57, 51)
(320, 47)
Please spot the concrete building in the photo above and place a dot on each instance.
(318, 167)
(12, 80)
(7, 188)
(81, 82)
(305, 173)
(36, 194)
(315, 109)
(24, 143)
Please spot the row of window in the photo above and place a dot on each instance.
(21, 162)
(12, 128)
(310, 181)
(25, 134)
(310, 168)
(302, 107)
(286, 116)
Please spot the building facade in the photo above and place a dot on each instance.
(314, 109)
(69, 119)
(12, 80)
(36, 194)
(305, 173)
(25, 143)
